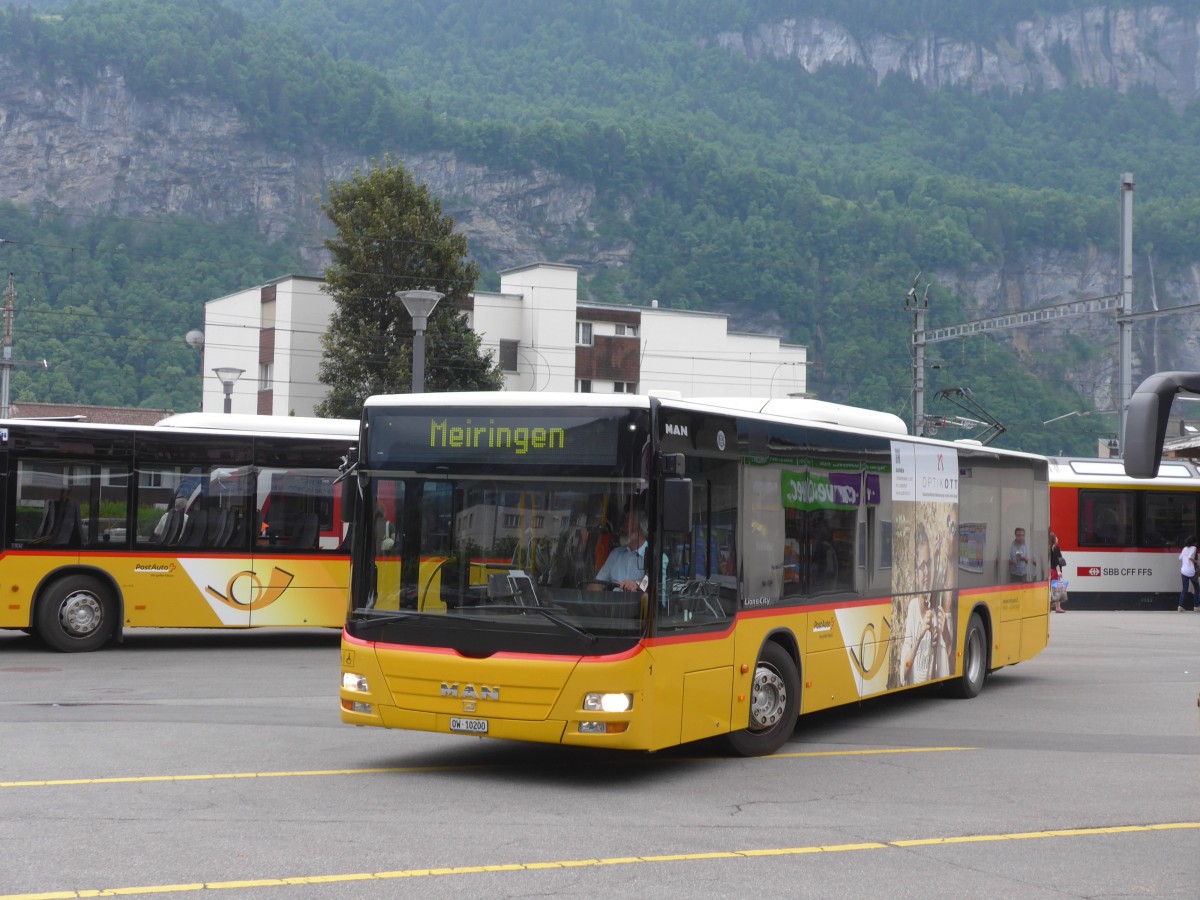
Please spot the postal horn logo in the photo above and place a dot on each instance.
(245, 592)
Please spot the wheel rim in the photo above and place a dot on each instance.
(768, 698)
(80, 614)
(974, 656)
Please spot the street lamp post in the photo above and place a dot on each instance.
(229, 376)
(195, 340)
(420, 305)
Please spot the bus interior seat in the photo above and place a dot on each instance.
(46, 526)
(236, 528)
(173, 527)
(68, 525)
(216, 524)
(195, 530)
(306, 535)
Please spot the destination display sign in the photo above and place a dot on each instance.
(480, 436)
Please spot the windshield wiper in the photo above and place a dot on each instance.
(541, 611)
(558, 620)
(365, 617)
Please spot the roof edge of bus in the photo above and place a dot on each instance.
(511, 398)
(807, 409)
(793, 408)
(242, 422)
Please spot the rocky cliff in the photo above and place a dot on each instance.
(97, 148)
(1094, 46)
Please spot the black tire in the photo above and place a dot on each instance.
(774, 704)
(974, 661)
(76, 614)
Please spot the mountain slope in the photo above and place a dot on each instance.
(665, 164)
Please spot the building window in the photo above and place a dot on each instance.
(512, 520)
(508, 355)
(583, 385)
(583, 333)
(624, 387)
(266, 376)
(626, 330)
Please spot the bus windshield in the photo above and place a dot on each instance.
(500, 523)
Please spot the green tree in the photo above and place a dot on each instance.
(392, 237)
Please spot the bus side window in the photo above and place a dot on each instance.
(715, 518)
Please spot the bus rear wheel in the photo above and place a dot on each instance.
(974, 660)
(774, 704)
(76, 614)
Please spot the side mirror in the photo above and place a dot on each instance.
(1146, 420)
(349, 498)
(677, 504)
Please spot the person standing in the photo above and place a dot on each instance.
(1187, 572)
(1058, 563)
(1019, 558)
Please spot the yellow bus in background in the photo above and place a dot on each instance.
(797, 556)
(199, 521)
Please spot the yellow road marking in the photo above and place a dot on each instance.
(592, 863)
(411, 770)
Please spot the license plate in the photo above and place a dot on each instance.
(470, 726)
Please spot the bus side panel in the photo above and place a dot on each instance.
(706, 703)
(19, 581)
(1020, 623)
(160, 592)
(843, 656)
(688, 690)
(1035, 635)
(155, 591)
(232, 592)
(294, 591)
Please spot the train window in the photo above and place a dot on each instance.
(1167, 518)
(1106, 518)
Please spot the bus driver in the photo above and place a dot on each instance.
(625, 567)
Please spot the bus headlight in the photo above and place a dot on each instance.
(612, 703)
(353, 682)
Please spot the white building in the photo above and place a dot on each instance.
(535, 326)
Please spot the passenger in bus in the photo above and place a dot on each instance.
(1187, 573)
(1021, 562)
(170, 525)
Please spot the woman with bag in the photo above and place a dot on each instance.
(1058, 565)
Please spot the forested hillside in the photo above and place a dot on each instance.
(806, 200)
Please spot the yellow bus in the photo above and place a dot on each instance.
(197, 522)
(639, 572)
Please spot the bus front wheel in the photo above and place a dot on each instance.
(774, 704)
(76, 614)
(974, 660)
